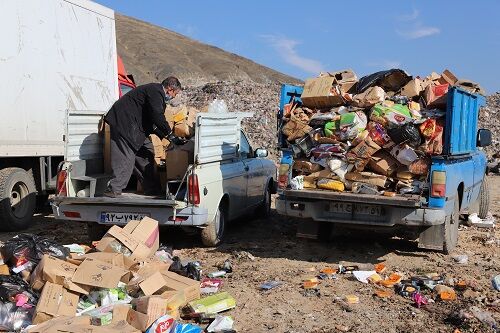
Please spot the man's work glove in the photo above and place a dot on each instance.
(176, 140)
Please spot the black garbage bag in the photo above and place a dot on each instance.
(26, 251)
(389, 80)
(15, 318)
(191, 270)
(12, 285)
(407, 133)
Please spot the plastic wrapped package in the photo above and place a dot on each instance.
(379, 135)
(24, 251)
(330, 184)
(339, 167)
(390, 115)
(14, 318)
(347, 127)
(12, 285)
(421, 166)
(389, 80)
(297, 183)
(324, 151)
(432, 130)
(363, 188)
(190, 269)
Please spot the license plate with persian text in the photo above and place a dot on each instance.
(121, 218)
(349, 208)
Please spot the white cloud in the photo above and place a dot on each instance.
(419, 32)
(414, 28)
(286, 48)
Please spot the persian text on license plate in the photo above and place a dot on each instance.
(349, 208)
(121, 218)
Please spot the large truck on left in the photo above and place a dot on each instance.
(57, 57)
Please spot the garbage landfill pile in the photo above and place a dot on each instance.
(242, 96)
(489, 118)
(427, 291)
(375, 135)
(126, 282)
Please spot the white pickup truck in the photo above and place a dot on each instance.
(227, 180)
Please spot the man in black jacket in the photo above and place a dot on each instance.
(131, 119)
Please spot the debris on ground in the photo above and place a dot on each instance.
(476, 221)
(126, 283)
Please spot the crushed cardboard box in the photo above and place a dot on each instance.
(328, 90)
(96, 273)
(140, 237)
(55, 300)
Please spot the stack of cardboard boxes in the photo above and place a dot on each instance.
(125, 257)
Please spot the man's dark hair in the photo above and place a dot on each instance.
(172, 82)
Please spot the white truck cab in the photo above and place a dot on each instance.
(227, 180)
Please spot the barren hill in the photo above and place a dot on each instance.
(151, 53)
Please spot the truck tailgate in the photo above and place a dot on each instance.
(400, 201)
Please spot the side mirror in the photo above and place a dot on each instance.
(483, 137)
(261, 152)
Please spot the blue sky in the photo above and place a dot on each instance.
(301, 38)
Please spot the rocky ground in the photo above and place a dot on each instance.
(279, 255)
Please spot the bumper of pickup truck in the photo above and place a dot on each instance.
(391, 215)
(185, 216)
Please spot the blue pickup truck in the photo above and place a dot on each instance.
(457, 184)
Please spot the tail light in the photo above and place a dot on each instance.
(62, 177)
(438, 181)
(193, 190)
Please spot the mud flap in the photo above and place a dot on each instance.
(432, 238)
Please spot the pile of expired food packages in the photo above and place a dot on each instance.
(375, 135)
(126, 282)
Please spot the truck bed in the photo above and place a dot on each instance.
(399, 200)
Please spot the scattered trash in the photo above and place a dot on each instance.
(461, 259)
(213, 304)
(210, 285)
(216, 274)
(243, 255)
(419, 299)
(392, 280)
(496, 282)
(221, 324)
(311, 292)
(311, 283)
(445, 293)
(226, 266)
(270, 285)
(484, 316)
(351, 299)
(363, 276)
(383, 293)
(488, 222)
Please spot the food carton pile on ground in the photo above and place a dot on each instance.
(375, 135)
(126, 283)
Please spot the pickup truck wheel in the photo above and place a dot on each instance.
(96, 231)
(451, 230)
(264, 209)
(17, 199)
(484, 199)
(213, 233)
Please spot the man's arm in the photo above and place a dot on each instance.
(155, 99)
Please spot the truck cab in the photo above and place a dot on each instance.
(456, 181)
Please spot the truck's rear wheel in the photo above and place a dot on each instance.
(213, 233)
(484, 199)
(17, 199)
(451, 229)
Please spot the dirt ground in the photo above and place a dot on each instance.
(279, 255)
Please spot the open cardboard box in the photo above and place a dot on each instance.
(55, 300)
(142, 238)
(163, 283)
(96, 273)
(149, 308)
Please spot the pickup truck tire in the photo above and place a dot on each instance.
(451, 229)
(213, 233)
(96, 231)
(264, 209)
(484, 199)
(17, 199)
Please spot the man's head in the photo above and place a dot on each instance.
(172, 86)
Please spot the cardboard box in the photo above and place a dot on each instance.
(81, 324)
(367, 177)
(4, 270)
(120, 313)
(147, 310)
(54, 270)
(142, 238)
(165, 282)
(448, 77)
(383, 163)
(177, 162)
(115, 259)
(55, 301)
(62, 321)
(324, 92)
(435, 95)
(307, 166)
(96, 273)
(412, 88)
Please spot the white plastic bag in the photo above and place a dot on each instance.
(217, 106)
